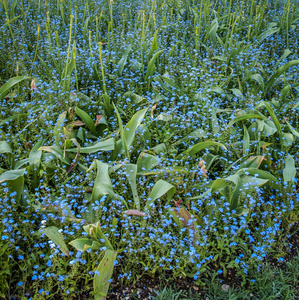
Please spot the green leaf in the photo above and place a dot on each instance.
(288, 139)
(161, 188)
(171, 83)
(253, 162)
(279, 72)
(246, 117)
(284, 55)
(146, 162)
(105, 270)
(107, 105)
(15, 182)
(106, 145)
(135, 98)
(259, 79)
(86, 119)
(274, 118)
(273, 182)
(289, 172)
(131, 170)
(57, 152)
(82, 244)
(21, 163)
(293, 131)
(219, 184)
(35, 155)
(5, 149)
(11, 175)
(154, 45)
(201, 146)
(128, 133)
(121, 63)
(96, 231)
(53, 234)
(237, 93)
(271, 30)
(102, 184)
(10, 83)
(151, 67)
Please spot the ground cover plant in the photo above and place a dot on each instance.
(147, 139)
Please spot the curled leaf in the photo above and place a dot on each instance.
(153, 109)
(135, 212)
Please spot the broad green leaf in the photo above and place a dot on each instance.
(273, 182)
(15, 182)
(235, 178)
(5, 149)
(82, 244)
(102, 184)
(133, 124)
(237, 93)
(146, 162)
(279, 72)
(35, 155)
(165, 117)
(131, 170)
(253, 162)
(289, 172)
(135, 98)
(215, 123)
(128, 132)
(161, 188)
(10, 83)
(121, 63)
(86, 119)
(273, 116)
(106, 145)
(259, 79)
(53, 234)
(103, 274)
(201, 146)
(269, 127)
(219, 184)
(218, 90)
(21, 163)
(11, 175)
(213, 30)
(288, 139)
(151, 67)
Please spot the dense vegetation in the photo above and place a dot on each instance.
(146, 139)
